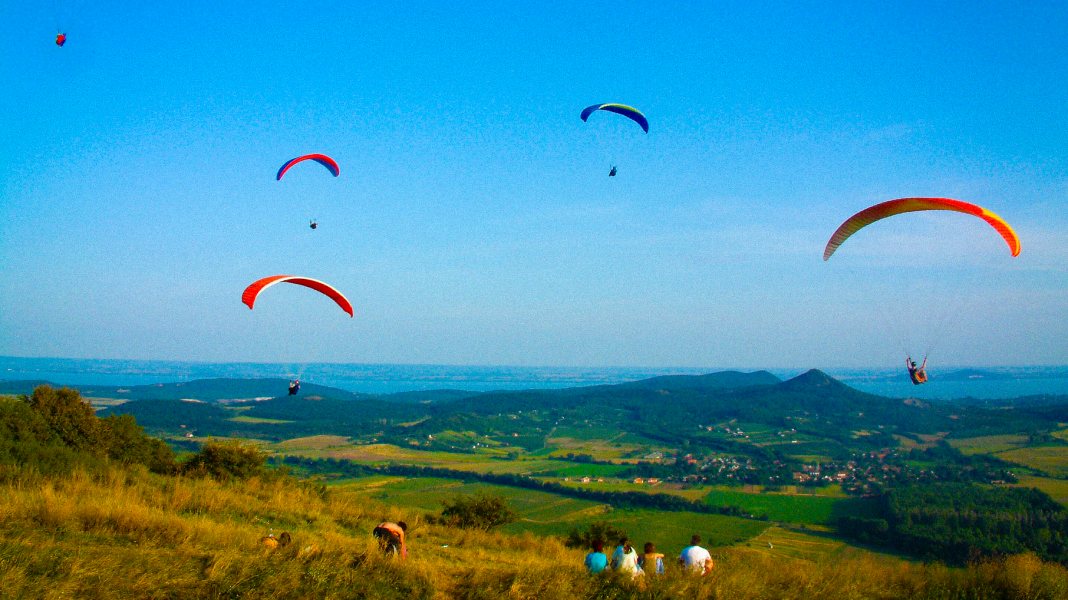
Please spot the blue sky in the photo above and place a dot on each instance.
(474, 222)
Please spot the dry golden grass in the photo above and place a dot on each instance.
(131, 534)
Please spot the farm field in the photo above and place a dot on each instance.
(560, 469)
(602, 449)
(546, 514)
(343, 448)
(483, 461)
(790, 508)
(1055, 488)
(616, 485)
(791, 543)
(1053, 460)
(989, 444)
(247, 419)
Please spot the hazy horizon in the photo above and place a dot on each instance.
(946, 383)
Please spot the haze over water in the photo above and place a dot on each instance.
(955, 382)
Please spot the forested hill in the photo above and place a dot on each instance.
(224, 389)
(621, 395)
(824, 415)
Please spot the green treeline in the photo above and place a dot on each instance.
(958, 523)
(55, 431)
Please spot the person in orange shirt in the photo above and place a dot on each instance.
(390, 538)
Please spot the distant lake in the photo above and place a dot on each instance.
(956, 382)
(992, 383)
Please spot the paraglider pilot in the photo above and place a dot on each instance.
(918, 375)
(313, 224)
(612, 173)
(294, 387)
(61, 38)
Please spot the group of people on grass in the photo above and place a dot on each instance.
(626, 559)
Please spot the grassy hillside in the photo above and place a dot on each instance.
(126, 533)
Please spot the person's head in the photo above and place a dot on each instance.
(597, 545)
(649, 548)
(402, 525)
(625, 542)
(695, 540)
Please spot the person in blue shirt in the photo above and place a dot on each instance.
(597, 560)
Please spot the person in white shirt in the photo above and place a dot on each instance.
(625, 559)
(695, 558)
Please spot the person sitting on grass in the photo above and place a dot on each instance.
(694, 558)
(596, 560)
(651, 561)
(625, 559)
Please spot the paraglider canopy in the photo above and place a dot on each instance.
(61, 38)
(253, 291)
(322, 159)
(620, 109)
(903, 205)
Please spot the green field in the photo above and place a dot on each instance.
(989, 444)
(561, 468)
(484, 460)
(1055, 488)
(670, 531)
(543, 513)
(244, 419)
(1052, 460)
(789, 508)
(616, 485)
(805, 545)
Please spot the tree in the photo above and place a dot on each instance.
(226, 460)
(600, 531)
(70, 417)
(480, 511)
(126, 442)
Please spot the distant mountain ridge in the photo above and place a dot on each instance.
(820, 415)
(234, 389)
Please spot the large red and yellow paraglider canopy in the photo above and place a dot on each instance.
(903, 205)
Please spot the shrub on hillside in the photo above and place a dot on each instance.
(606, 533)
(127, 443)
(68, 416)
(52, 431)
(27, 441)
(226, 460)
(481, 511)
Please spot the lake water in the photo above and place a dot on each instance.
(957, 382)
